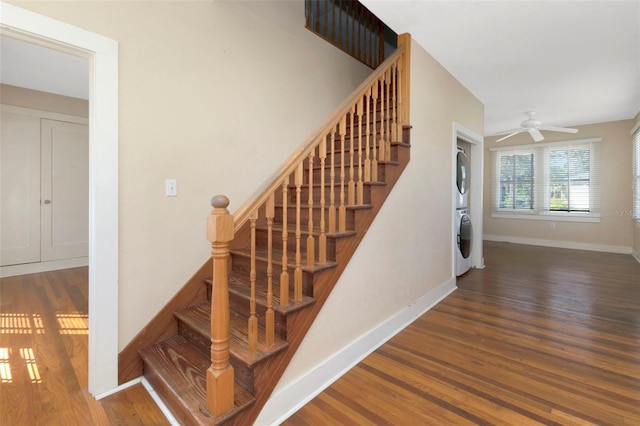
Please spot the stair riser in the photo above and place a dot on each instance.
(242, 374)
(242, 264)
(179, 411)
(262, 240)
(304, 194)
(240, 306)
(347, 171)
(304, 219)
(337, 151)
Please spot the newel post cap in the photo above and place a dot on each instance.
(220, 223)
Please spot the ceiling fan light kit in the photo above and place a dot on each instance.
(533, 127)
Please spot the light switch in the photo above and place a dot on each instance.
(171, 187)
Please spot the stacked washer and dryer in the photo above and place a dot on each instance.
(462, 221)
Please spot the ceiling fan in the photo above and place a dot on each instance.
(534, 126)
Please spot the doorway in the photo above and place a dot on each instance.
(103, 177)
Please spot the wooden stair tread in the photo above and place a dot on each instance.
(177, 370)
(198, 317)
(277, 257)
(239, 284)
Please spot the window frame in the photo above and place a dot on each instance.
(541, 177)
(516, 181)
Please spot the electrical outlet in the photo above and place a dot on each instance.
(171, 188)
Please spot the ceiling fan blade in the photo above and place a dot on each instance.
(514, 132)
(511, 132)
(559, 129)
(536, 135)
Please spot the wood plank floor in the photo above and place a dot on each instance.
(540, 336)
(43, 357)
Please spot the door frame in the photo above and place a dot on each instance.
(102, 54)
(475, 191)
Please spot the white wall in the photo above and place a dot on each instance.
(204, 86)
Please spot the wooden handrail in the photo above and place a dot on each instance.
(357, 114)
(242, 213)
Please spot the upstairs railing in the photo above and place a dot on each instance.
(341, 156)
(350, 26)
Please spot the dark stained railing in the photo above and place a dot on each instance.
(351, 27)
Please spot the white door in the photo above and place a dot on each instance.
(65, 190)
(19, 189)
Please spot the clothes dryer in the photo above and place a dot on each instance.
(461, 192)
(462, 223)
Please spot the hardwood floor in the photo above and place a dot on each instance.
(43, 357)
(540, 336)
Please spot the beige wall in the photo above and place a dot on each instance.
(613, 231)
(34, 99)
(406, 253)
(215, 94)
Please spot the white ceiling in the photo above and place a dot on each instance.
(573, 62)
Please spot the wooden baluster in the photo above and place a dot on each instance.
(367, 142)
(357, 41)
(351, 186)
(220, 376)
(311, 242)
(374, 134)
(269, 318)
(396, 128)
(322, 241)
(297, 275)
(284, 275)
(333, 22)
(381, 143)
(400, 100)
(352, 38)
(342, 211)
(253, 320)
(387, 139)
(404, 40)
(340, 25)
(392, 106)
(360, 186)
(332, 178)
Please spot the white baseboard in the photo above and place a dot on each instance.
(117, 389)
(159, 402)
(32, 268)
(286, 401)
(559, 244)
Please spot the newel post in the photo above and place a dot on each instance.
(220, 381)
(404, 40)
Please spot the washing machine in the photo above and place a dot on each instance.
(462, 179)
(463, 228)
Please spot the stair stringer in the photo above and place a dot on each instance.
(267, 374)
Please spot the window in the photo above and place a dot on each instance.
(636, 175)
(516, 181)
(559, 179)
(569, 179)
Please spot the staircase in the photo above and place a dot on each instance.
(277, 259)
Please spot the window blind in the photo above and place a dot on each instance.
(544, 178)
